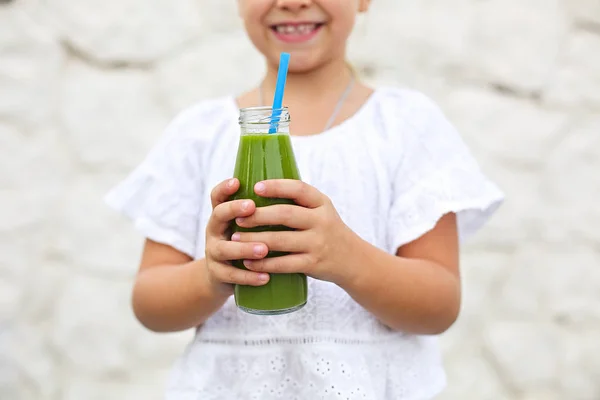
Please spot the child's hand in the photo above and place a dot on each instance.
(319, 243)
(219, 250)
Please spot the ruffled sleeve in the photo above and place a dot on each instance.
(163, 196)
(435, 175)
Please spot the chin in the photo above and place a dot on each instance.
(302, 63)
(303, 67)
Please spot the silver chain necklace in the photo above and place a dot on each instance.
(338, 106)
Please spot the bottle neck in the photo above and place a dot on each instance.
(263, 120)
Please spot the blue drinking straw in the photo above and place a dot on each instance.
(284, 62)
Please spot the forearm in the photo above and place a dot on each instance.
(172, 298)
(416, 296)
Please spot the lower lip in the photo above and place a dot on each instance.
(297, 38)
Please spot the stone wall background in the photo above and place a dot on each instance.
(86, 87)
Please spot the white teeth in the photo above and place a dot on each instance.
(296, 29)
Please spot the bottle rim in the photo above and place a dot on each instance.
(263, 115)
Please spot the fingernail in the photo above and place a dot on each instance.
(245, 205)
(231, 183)
(235, 237)
(240, 221)
(263, 277)
(259, 187)
(248, 264)
(258, 250)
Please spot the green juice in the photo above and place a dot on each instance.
(261, 157)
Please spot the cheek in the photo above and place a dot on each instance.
(342, 29)
(253, 11)
(257, 35)
(343, 14)
(252, 15)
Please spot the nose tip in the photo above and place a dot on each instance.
(293, 5)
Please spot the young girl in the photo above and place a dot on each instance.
(388, 188)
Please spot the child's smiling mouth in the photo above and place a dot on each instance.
(296, 32)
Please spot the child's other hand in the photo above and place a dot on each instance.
(220, 250)
(319, 243)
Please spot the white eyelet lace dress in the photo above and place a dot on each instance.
(392, 170)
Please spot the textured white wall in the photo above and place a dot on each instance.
(86, 87)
